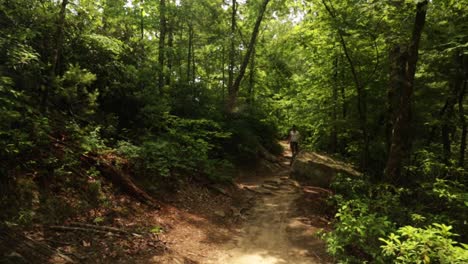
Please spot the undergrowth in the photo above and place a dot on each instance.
(420, 222)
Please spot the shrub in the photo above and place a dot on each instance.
(187, 147)
(356, 232)
(432, 244)
(248, 133)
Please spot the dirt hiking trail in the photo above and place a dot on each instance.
(274, 232)
(277, 225)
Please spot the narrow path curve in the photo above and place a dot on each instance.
(273, 233)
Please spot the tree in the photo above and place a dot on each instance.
(401, 128)
(234, 88)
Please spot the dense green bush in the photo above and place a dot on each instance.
(432, 244)
(186, 147)
(248, 133)
(356, 231)
(367, 212)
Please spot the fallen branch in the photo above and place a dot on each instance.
(73, 228)
(101, 228)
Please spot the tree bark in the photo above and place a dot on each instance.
(189, 54)
(250, 97)
(223, 81)
(461, 111)
(142, 24)
(463, 62)
(162, 43)
(232, 51)
(170, 53)
(396, 82)
(455, 96)
(344, 104)
(334, 134)
(234, 89)
(400, 134)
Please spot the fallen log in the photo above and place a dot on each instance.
(109, 171)
(122, 179)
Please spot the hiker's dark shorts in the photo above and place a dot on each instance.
(294, 147)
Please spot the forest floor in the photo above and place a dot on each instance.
(263, 217)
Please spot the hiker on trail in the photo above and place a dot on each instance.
(293, 140)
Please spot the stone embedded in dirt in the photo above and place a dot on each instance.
(274, 182)
(293, 183)
(270, 187)
(252, 189)
(220, 213)
(320, 170)
(265, 191)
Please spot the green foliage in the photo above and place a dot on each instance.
(368, 211)
(157, 230)
(432, 244)
(21, 131)
(356, 232)
(73, 94)
(248, 133)
(97, 44)
(452, 192)
(187, 147)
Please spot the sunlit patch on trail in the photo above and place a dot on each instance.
(260, 258)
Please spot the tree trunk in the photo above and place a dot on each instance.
(250, 97)
(142, 24)
(170, 53)
(396, 82)
(189, 54)
(223, 81)
(361, 93)
(56, 54)
(334, 134)
(232, 52)
(463, 62)
(400, 134)
(234, 89)
(344, 106)
(448, 122)
(193, 56)
(162, 43)
(461, 111)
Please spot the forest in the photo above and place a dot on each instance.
(151, 95)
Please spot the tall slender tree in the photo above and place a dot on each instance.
(401, 129)
(234, 88)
